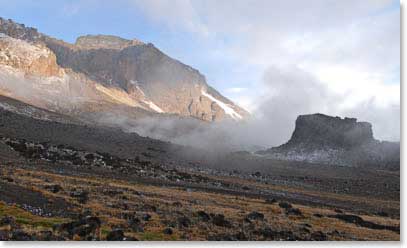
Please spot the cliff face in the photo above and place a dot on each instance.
(319, 131)
(154, 80)
(32, 59)
(323, 139)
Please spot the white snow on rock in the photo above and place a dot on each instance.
(226, 107)
(150, 104)
(153, 106)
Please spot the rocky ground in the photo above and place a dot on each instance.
(71, 182)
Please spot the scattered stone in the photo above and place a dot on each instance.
(318, 236)
(268, 233)
(357, 220)
(285, 205)
(85, 228)
(115, 235)
(222, 237)
(293, 211)
(146, 217)
(9, 179)
(255, 216)
(81, 195)
(184, 222)
(383, 214)
(4, 235)
(168, 231)
(203, 216)
(20, 235)
(271, 200)
(54, 188)
(318, 215)
(8, 221)
(219, 220)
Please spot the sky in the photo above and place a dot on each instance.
(276, 58)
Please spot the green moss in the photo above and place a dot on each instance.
(152, 236)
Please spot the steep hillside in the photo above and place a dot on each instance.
(129, 71)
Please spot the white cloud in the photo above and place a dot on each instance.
(351, 48)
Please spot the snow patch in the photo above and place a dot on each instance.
(150, 104)
(226, 107)
(153, 106)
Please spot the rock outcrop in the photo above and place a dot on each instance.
(322, 131)
(139, 71)
(323, 139)
(32, 59)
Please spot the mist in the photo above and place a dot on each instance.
(289, 92)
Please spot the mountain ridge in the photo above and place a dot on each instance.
(157, 82)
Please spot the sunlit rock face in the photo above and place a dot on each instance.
(323, 139)
(126, 68)
(32, 59)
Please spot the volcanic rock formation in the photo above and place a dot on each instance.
(323, 139)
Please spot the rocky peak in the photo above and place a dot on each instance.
(326, 131)
(18, 31)
(105, 42)
(31, 58)
(140, 70)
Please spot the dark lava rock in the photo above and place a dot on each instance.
(269, 233)
(327, 131)
(54, 188)
(318, 236)
(148, 207)
(184, 221)
(271, 200)
(115, 235)
(135, 225)
(256, 174)
(222, 237)
(7, 220)
(383, 214)
(219, 220)
(318, 215)
(168, 231)
(20, 235)
(255, 216)
(293, 211)
(357, 220)
(203, 216)
(351, 140)
(84, 227)
(146, 217)
(9, 179)
(81, 195)
(46, 236)
(285, 205)
(4, 235)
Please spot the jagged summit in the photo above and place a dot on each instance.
(105, 42)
